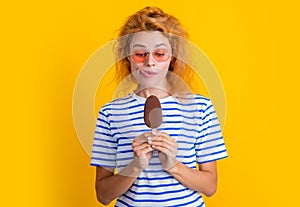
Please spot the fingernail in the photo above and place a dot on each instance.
(149, 140)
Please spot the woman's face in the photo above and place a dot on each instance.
(150, 57)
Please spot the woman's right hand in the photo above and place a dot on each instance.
(142, 149)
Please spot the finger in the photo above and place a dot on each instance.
(143, 137)
(164, 137)
(171, 141)
(164, 142)
(144, 151)
(167, 136)
(141, 146)
(164, 145)
(164, 150)
(147, 149)
(149, 140)
(136, 144)
(141, 141)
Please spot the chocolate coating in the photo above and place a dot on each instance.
(152, 112)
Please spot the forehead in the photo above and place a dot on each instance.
(149, 40)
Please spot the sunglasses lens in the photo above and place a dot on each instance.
(159, 56)
(139, 56)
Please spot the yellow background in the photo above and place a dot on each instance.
(254, 46)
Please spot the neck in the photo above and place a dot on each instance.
(146, 92)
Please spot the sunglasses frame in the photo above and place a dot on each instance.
(148, 52)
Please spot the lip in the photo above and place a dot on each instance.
(147, 73)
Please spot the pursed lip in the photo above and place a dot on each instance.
(147, 73)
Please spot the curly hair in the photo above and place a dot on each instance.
(152, 19)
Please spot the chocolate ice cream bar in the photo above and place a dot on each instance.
(152, 112)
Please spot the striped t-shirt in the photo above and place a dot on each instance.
(192, 121)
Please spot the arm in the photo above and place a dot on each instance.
(203, 180)
(110, 186)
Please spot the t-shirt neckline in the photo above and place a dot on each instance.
(143, 99)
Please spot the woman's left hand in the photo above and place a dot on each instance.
(167, 149)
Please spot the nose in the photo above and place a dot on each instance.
(150, 61)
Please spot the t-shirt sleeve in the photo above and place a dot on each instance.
(105, 146)
(210, 143)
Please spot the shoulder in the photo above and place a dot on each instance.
(116, 104)
(196, 99)
(201, 99)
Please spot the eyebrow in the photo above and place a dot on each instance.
(161, 44)
(140, 45)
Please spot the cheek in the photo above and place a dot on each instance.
(133, 66)
(165, 65)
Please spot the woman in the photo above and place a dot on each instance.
(156, 169)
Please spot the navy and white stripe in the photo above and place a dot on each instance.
(192, 122)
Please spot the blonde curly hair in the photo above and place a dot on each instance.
(152, 19)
